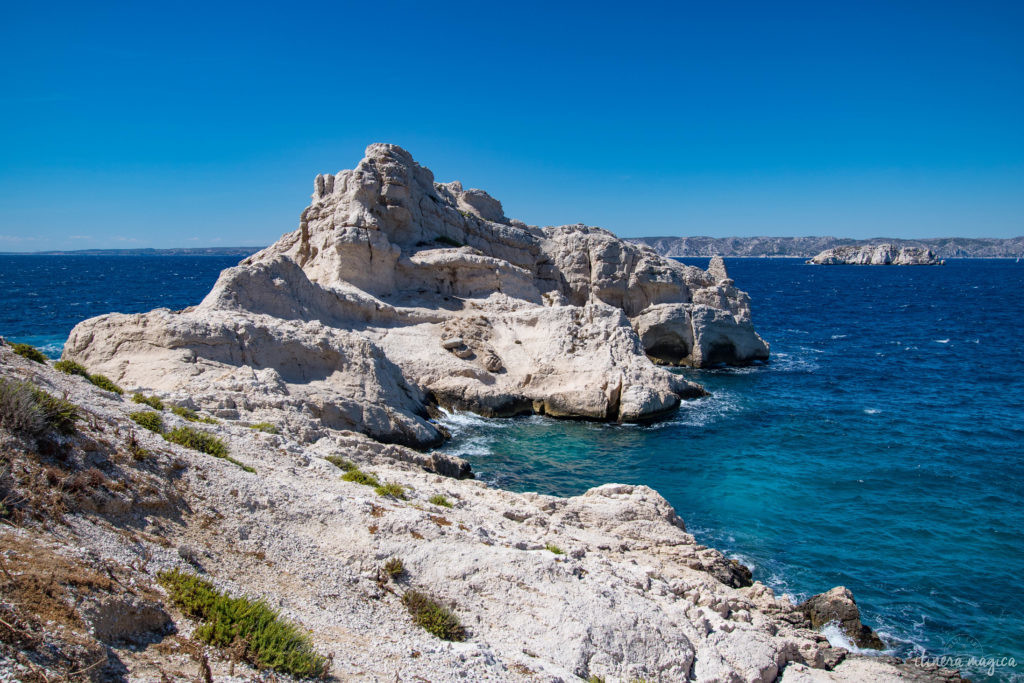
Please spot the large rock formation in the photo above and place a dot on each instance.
(397, 292)
(877, 255)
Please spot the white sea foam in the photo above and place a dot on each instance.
(839, 336)
(837, 638)
(941, 341)
(872, 411)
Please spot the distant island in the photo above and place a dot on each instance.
(185, 251)
(807, 247)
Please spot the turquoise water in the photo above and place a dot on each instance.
(881, 449)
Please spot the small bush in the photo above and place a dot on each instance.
(197, 440)
(394, 568)
(187, 413)
(359, 477)
(193, 416)
(104, 383)
(265, 427)
(270, 642)
(148, 420)
(153, 402)
(391, 489)
(433, 616)
(30, 352)
(136, 450)
(204, 443)
(438, 499)
(28, 409)
(554, 548)
(70, 367)
(341, 463)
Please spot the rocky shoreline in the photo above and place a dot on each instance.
(274, 444)
(603, 586)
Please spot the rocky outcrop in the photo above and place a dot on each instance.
(877, 255)
(348, 322)
(838, 606)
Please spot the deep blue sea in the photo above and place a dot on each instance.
(882, 448)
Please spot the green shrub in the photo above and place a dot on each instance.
(359, 477)
(70, 367)
(197, 440)
(30, 352)
(438, 499)
(187, 413)
(266, 427)
(433, 616)
(104, 383)
(151, 401)
(394, 568)
(204, 443)
(554, 548)
(28, 409)
(193, 416)
(270, 641)
(341, 463)
(148, 420)
(391, 489)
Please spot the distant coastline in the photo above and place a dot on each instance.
(185, 251)
(807, 247)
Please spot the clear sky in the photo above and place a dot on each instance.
(179, 124)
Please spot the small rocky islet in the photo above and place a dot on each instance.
(886, 254)
(273, 444)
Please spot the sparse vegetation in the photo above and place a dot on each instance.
(70, 367)
(554, 549)
(136, 450)
(433, 616)
(30, 352)
(359, 477)
(27, 409)
(265, 427)
(341, 463)
(267, 640)
(438, 499)
(192, 416)
(394, 568)
(153, 402)
(203, 442)
(148, 420)
(390, 489)
(197, 440)
(106, 384)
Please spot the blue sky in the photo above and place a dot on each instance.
(159, 124)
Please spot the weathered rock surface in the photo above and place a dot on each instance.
(350, 322)
(630, 595)
(877, 255)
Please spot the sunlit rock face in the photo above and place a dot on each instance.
(397, 293)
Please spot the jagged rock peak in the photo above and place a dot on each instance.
(349, 321)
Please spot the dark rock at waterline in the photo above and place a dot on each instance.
(838, 605)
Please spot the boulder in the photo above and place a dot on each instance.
(838, 605)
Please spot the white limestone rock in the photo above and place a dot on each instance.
(886, 254)
(352, 312)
